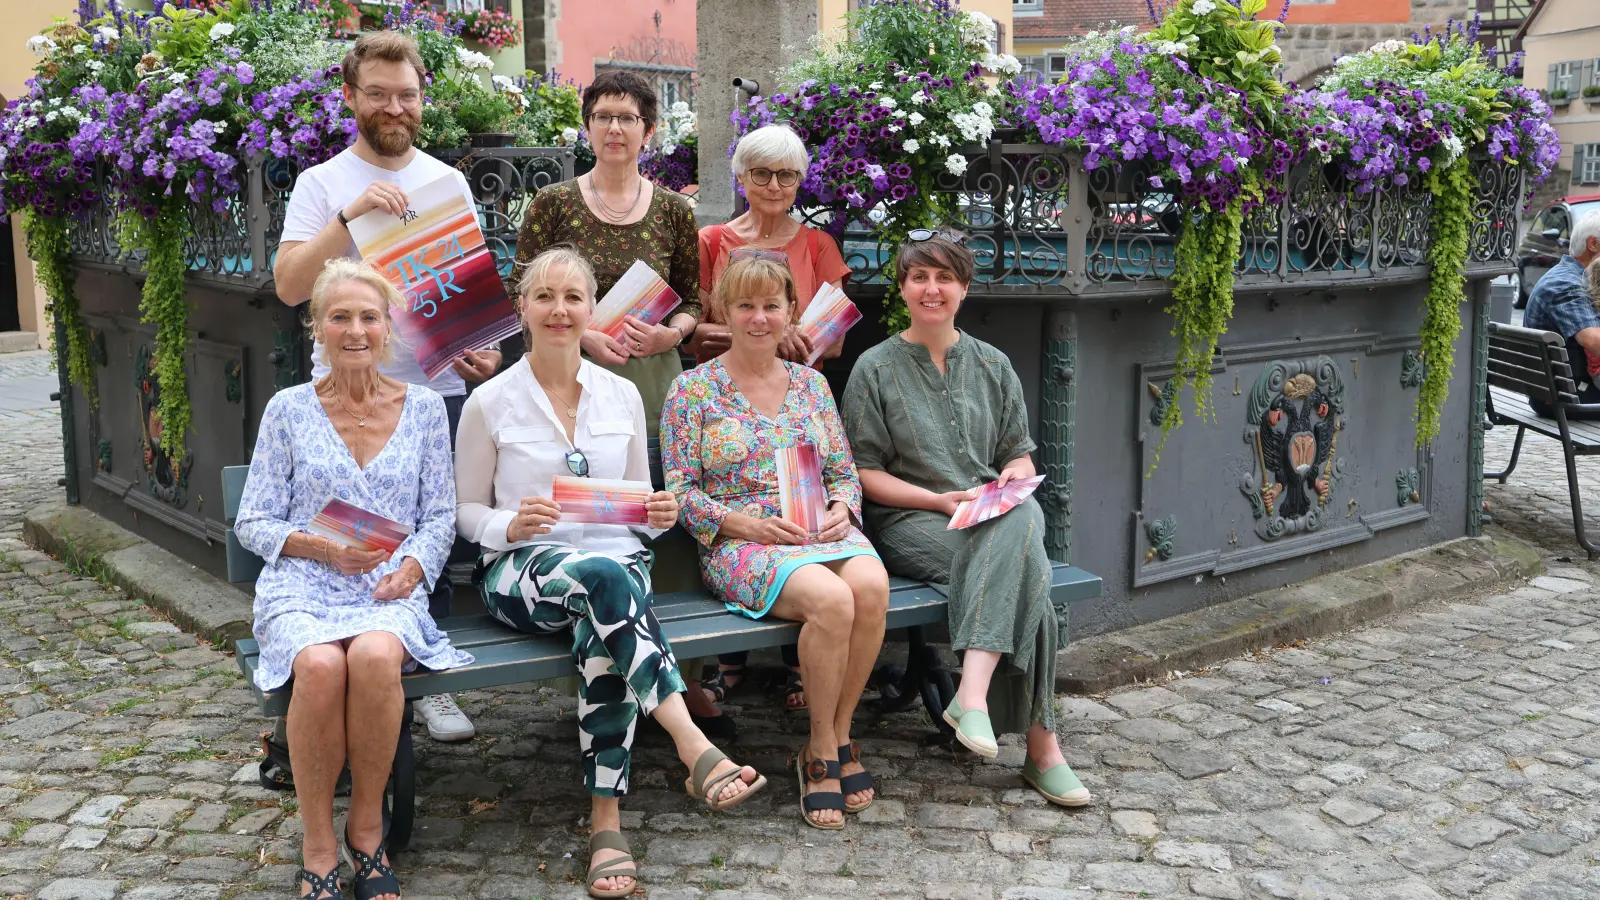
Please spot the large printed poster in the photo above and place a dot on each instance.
(436, 255)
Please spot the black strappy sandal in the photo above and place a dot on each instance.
(720, 726)
(851, 784)
(718, 684)
(321, 883)
(366, 887)
(813, 771)
(791, 686)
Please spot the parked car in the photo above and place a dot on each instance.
(1546, 241)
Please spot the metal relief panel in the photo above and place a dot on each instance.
(1312, 447)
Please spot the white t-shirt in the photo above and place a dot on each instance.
(319, 194)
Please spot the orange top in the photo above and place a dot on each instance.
(814, 259)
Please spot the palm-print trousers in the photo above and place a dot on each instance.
(624, 661)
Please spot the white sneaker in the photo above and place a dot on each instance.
(446, 721)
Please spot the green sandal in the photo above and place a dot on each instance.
(973, 729)
(611, 840)
(1059, 785)
(705, 788)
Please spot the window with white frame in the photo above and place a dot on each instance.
(1024, 8)
(1589, 171)
(1564, 77)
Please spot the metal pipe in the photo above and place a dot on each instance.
(744, 90)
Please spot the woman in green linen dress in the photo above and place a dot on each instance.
(933, 413)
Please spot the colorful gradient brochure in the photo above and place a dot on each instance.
(992, 501)
(800, 492)
(829, 315)
(436, 255)
(355, 527)
(597, 501)
(640, 293)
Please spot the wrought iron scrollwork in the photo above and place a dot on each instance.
(1497, 199)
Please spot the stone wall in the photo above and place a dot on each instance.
(1308, 49)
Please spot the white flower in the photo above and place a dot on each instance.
(221, 30)
(1002, 64)
(977, 30)
(504, 83)
(41, 45)
(941, 140)
(79, 49)
(1091, 35)
(1172, 48)
(52, 115)
(95, 66)
(919, 98)
(32, 122)
(983, 109)
(1203, 7)
(916, 118)
(875, 86)
(1455, 146)
(955, 164)
(109, 33)
(1389, 46)
(887, 102)
(467, 59)
(568, 136)
(911, 145)
(891, 128)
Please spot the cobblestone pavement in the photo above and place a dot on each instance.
(1447, 752)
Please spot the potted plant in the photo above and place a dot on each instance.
(486, 118)
(1590, 92)
(1560, 97)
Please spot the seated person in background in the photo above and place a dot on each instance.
(1561, 302)
(344, 623)
(719, 432)
(932, 413)
(554, 413)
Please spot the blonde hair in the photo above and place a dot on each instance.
(537, 271)
(750, 276)
(340, 270)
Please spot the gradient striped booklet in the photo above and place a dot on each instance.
(800, 491)
(436, 255)
(599, 501)
(640, 293)
(992, 501)
(352, 526)
(829, 315)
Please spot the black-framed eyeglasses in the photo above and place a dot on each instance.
(918, 235)
(578, 464)
(604, 120)
(380, 99)
(777, 256)
(763, 177)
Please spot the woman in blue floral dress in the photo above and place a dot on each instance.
(344, 623)
(719, 432)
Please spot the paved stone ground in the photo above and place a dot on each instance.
(1448, 752)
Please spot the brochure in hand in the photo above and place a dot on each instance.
(598, 501)
(355, 527)
(800, 490)
(829, 315)
(640, 293)
(436, 255)
(992, 501)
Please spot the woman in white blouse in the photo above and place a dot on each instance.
(554, 413)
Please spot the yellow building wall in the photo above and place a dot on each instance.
(830, 15)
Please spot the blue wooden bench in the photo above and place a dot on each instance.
(695, 624)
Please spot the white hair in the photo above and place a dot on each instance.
(769, 146)
(1585, 228)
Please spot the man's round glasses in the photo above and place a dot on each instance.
(380, 99)
(626, 120)
(763, 177)
(578, 464)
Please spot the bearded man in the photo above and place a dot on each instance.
(383, 80)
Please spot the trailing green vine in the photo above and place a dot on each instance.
(164, 305)
(1449, 221)
(1202, 293)
(51, 249)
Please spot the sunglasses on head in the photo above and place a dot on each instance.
(777, 256)
(578, 464)
(918, 235)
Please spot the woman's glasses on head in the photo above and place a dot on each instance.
(763, 177)
(918, 235)
(777, 256)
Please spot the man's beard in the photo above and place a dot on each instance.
(389, 135)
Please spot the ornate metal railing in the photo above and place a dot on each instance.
(1037, 221)
(224, 246)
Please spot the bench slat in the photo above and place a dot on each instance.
(1533, 378)
(1511, 407)
(1523, 355)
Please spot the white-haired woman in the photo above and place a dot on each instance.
(343, 622)
(769, 163)
(553, 413)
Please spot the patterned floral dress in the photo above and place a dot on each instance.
(717, 451)
(299, 464)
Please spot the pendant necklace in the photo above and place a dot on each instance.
(606, 212)
(572, 411)
(361, 421)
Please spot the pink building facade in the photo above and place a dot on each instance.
(656, 36)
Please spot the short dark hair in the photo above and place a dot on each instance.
(385, 46)
(622, 83)
(938, 252)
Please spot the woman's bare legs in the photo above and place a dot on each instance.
(374, 707)
(977, 670)
(869, 585)
(317, 743)
(605, 814)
